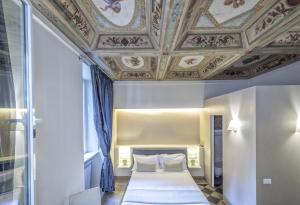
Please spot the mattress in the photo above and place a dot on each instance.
(161, 188)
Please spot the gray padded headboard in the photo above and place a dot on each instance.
(152, 151)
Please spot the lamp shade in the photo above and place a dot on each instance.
(234, 125)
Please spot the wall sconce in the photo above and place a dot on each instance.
(193, 156)
(298, 125)
(234, 125)
(124, 157)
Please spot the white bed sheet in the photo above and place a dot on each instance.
(161, 188)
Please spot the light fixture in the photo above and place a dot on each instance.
(193, 156)
(234, 125)
(298, 125)
(161, 110)
(124, 157)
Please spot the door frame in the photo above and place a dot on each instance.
(212, 150)
(29, 105)
(212, 146)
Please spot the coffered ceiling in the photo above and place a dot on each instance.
(180, 39)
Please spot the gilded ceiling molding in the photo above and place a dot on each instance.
(218, 65)
(180, 40)
(77, 34)
(74, 15)
(124, 42)
(273, 63)
(156, 18)
(288, 39)
(183, 75)
(212, 41)
(213, 65)
(112, 64)
(164, 61)
(232, 74)
(269, 19)
(153, 64)
(172, 23)
(190, 15)
(267, 64)
(136, 75)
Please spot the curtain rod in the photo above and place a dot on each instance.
(86, 59)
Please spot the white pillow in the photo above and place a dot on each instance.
(173, 166)
(173, 158)
(145, 159)
(146, 167)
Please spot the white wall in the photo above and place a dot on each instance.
(158, 127)
(265, 146)
(180, 127)
(151, 94)
(239, 149)
(278, 153)
(191, 94)
(57, 82)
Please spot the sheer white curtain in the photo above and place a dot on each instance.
(89, 131)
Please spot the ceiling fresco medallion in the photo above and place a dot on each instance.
(118, 12)
(134, 62)
(190, 61)
(209, 41)
(227, 9)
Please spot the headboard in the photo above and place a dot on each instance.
(160, 150)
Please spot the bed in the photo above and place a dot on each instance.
(163, 188)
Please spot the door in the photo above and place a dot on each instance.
(216, 151)
(15, 104)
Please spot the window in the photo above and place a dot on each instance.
(16, 178)
(90, 138)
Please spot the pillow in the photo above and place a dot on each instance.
(180, 158)
(145, 159)
(173, 166)
(145, 167)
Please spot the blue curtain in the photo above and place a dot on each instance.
(103, 107)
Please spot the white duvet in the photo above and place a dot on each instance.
(161, 188)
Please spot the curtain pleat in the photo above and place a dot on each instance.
(103, 108)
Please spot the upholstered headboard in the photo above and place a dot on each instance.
(152, 151)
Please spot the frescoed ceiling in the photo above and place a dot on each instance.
(180, 39)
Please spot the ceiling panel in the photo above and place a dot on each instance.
(180, 40)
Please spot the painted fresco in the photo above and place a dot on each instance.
(180, 40)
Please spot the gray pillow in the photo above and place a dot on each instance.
(173, 166)
(145, 167)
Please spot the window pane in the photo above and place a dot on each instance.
(90, 135)
(13, 102)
